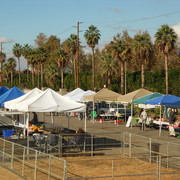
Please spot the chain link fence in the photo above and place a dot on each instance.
(34, 164)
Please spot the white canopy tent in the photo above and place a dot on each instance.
(50, 101)
(80, 96)
(12, 104)
(74, 93)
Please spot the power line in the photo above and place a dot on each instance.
(140, 19)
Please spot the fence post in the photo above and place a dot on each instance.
(24, 150)
(35, 166)
(123, 142)
(49, 168)
(12, 156)
(159, 167)
(112, 169)
(150, 142)
(130, 145)
(92, 145)
(3, 151)
(167, 154)
(65, 169)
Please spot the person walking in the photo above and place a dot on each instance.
(143, 117)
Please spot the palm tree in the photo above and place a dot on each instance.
(71, 44)
(25, 51)
(17, 51)
(142, 47)
(92, 36)
(120, 51)
(61, 62)
(165, 41)
(50, 74)
(11, 63)
(2, 59)
(109, 67)
(41, 58)
(32, 60)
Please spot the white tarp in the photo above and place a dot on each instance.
(50, 101)
(12, 104)
(74, 92)
(79, 97)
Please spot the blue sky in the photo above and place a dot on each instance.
(22, 20)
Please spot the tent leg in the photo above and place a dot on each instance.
(85, 122)
(68, 121)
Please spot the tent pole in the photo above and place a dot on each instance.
(117, 114)
(160, 122)
(24, 130)
(85, 122)
(93, 111)
(125, 114)
(27, 133)
(131, 113)
(68, 120)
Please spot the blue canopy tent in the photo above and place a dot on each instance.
(174, 105)
(163, 100)
(13, 93)
(3, 90)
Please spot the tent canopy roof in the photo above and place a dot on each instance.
(12, 103)
(143, 99)
(103, 95)
(134, 95)
(174, 105)
(50, 101)
(74, 92)
(80, 97)
(163, 100)
(3, 90)
(11, 94)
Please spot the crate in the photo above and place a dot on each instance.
(8, 132)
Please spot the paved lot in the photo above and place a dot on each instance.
(107, 127)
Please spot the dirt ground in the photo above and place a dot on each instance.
(99, 168)
(8, 175)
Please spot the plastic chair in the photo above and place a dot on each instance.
(53, 143)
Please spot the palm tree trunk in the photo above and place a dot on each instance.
(41, 75)
(38, 75)
(122, 78)
(142, 75)
(109, 79)
(11, 78)
(75, 77)
(27, 71)
(62, 78)
(32, 74)
(19, 70)
(93, 70)
(166, 71)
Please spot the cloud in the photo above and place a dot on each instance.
(176, 28)
(116, 10)
(4, 40)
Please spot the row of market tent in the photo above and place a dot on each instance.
(11, 99)
(51, 101)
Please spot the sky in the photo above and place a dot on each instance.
(22, 20)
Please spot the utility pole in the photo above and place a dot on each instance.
(77, 58)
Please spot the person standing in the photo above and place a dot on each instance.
(143, 117)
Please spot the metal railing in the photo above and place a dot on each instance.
(34, 164)
(30, 163)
